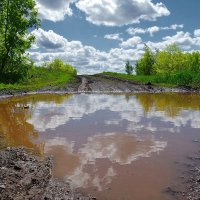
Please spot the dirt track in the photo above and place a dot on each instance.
(107, 84)
(98, 83)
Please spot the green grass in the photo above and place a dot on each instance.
(186, 79)
(39, 78)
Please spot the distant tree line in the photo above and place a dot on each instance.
(171, 60)
(168, 66)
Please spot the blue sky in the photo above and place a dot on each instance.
(100, 35)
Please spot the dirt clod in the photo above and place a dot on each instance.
(26, 176)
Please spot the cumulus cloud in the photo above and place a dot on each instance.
(184, 40)
(86, 59)
(48, 39)
(197, 33)
(119, 13)
(54, 10)
(153, 29)
(115, 36)
(132, 42)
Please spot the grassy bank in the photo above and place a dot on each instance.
(185, 79)
(40, 77)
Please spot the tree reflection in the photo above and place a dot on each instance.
(170, 103)
(15, 131)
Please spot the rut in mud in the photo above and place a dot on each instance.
(107, 84)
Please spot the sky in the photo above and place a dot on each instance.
(101, 35)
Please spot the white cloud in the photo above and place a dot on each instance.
(132, 42)
(54, 10)
(184, 40)
(153, 29)
(86, 59)
(197, 33)
(135, 31)
(48, 39)
(118, 13)
(115, 36)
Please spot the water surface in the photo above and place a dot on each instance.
(116, 147)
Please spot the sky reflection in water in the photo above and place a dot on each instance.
(81, 130)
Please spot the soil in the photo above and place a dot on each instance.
(24, 176)
(99, 83)
(189, 178)
(107, 84)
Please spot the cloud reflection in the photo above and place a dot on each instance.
(52, 115)
(121, 149)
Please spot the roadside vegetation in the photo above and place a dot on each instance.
(17, 70)
(170, 67)
(55, 73)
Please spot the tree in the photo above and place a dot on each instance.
(128, 68)
(144, 66)
(17, 17)
(170, 60)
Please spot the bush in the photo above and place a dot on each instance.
(58, 64)
(16, 72)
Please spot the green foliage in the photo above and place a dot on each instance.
(192, 61)
(58, 64)
(40, 77)
(171, 60)
(171, 66)
(16, 18)
(144, 66)
(188, 79)
(128, 68)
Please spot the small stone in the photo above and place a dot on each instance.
(2, 186)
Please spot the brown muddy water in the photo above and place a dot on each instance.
(115, 147)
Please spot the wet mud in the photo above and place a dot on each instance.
(23, 175)
(99, 83)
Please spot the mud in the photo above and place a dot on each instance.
(189, 178)
(99, 83)
(26, 176)
(107, 84)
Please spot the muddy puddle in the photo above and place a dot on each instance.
(115, 147)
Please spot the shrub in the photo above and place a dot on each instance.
(58, 64)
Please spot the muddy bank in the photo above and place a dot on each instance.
(99, 83)
(189, 178)
(107, 84)
(26, 176)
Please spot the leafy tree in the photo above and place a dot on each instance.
(58, 64)
(144, 66)
(170, 60)
(128, 68)
(193, 61)
(17, 17)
